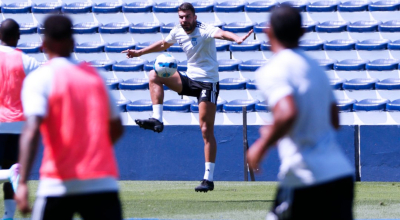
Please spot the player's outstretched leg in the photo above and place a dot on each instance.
(151, 124)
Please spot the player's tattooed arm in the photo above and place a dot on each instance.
(226, 35)
(155, 47)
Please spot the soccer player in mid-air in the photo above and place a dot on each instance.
(14, 66)
(79, 122)
(201, 79)
(316, 180)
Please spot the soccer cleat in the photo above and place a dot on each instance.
(204, 186)
(151, 124)
(14, 176)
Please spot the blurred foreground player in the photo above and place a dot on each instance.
(79, 123)
(14, 66)
(316, 180)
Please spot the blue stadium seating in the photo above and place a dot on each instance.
(373, 44)
(215, 23)
(337, 83)
(338, 45)
(394, 45)
(323, 6)
(260, 6)
(327, 64)
(233, 83)
(222, 45)
(238, 27)
(175, 48)
(114, 28)
(113, 83)
(166, 7)
(360, 84)
(251, 85)
(145, 27)
(140, 106)
(311, 44)
(77, 8)
(34, 47)
(103, 64)
(121, 104)
(90, 47)
(237, 105)
(386, 5)
(47, 8)
(309, 26)
(166, 28)
(118, 47)
(248, 45)
(230, 6)
(228, 65)
(138, 7)
(203, 6)
(251, 65)
(86, 28)
(351, 64)
(142, 45)
(40, 29)
(345, 105)
(178, 105)
(383, 64)
(390, 26)
(265, 46)
(194, 107)
(259, 28)
(107, 7)
(363, 26)
(149, 66)
(393, 105)
(28, 28)
(261, 107)
(134, 84)
(331, 26)
(370, 105)
(353, 6)
(129, 65)
(182, 66)
(388, 84)
(300, 5)
(16, 8)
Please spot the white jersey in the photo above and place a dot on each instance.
(309, 153)
(200, 50)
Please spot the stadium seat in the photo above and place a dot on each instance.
(149, 66)
(370, 105)
(150, 56)
(138, 7)
(203, 6)
(238, 27)
(28, 28)
(140, 106)
(138, 11)
(360, 84)
(90, 47)
(390, 26)
(230, 6)
(251, 85)
(114, 28)
(178, 105)
(228, 65)
(261, 107)
(331, 26)
(300, 5)
(373, 44)
(194, 107)
(252, 65)
(134, 84)
(145, 28)
(215, 23)
(386, 5)
(47, 8)
(121, 104)
(259, 31)
(345, 105)
(166, 28)
(338, 45)
(266, 46)
(394, 45)
(237, 105)
(17, 8)
(249, 45)
(337, 83)
(103, 64)
(77, 8)
(118, 47)
(166, 7)
(222, 45)
(323, 6)
(113, 83)
(327, 64)
(129, 65)
(311, 45)
(34, 47)
(86, 28)
(383, 64)
(182, 66)
(353, 6)
(175, 48)
(393, 105)
(351, 64)
(260, 6)
(388, 84)
(107, 7)
(363, 26)
(309, 26)
(233, 83)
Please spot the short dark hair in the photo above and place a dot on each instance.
(286, 24)
(9, 30)
(186, 6)
(57, 27)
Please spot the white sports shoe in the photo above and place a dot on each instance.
(14, 176)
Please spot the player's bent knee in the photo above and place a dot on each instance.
(207, 132)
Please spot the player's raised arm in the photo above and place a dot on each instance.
(227, 35)
(155, 47)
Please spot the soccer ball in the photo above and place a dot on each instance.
(165, 65)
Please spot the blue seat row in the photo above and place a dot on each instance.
(366, 84)
(348, 44)
(184, 105)
(349, 105)
(357, 26)
(359, 65)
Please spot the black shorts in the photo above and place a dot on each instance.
(9, 148)
(328, 201)
(204, 91)
(94, 206)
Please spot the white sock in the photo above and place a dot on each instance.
(209, 173)
(4, 174)
(157, 112)
(9, 208)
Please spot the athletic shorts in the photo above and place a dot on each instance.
(204, 91)
(328, 201)
(95, 206)
(9, 148)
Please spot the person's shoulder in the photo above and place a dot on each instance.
(202, 26)
(6, 48)
(40, 74)
(177, 28)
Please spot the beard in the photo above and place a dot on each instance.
(190, 27)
